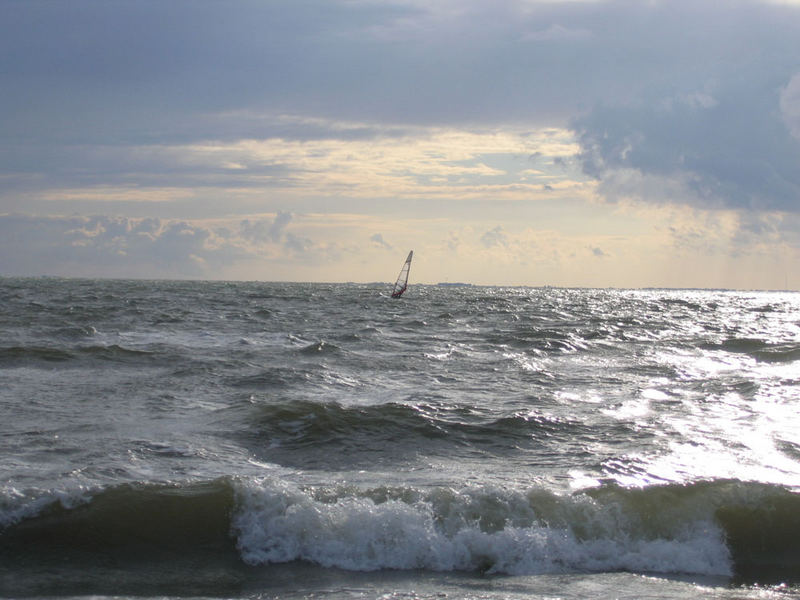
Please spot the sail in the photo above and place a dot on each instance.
(402, 280)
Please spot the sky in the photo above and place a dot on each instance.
(596, 143)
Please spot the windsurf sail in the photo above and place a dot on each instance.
(401, 284)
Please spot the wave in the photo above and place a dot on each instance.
(123, 520)
(134, 540)
(318, 420)
(19, 356)
(488, 530)
(761, 350)
(16, 356)
(312, 434)
(713, 528)
(321, 347)
(779, 353)
(272, 377)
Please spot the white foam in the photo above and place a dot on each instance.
(277, 522)
(17, 505)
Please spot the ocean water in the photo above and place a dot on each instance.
(286, 440)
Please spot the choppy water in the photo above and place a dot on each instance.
(288, 440)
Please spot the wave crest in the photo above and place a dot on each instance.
(485, 529)
(720, 528)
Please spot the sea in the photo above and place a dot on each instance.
(177, 439)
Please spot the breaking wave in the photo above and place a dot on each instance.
(720, 528)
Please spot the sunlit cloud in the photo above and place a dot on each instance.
(609, 142)
(120, 193)
(454, 163)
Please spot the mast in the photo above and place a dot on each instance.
(401, 284)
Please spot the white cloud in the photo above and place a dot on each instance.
(686, 248)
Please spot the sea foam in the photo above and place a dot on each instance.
(486, 529)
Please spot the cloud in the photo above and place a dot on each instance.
(297, 95)
(733, 153)
(556, 32)
(453, 241)
(298, 244)
(378, 240)
(208, 70)
(722, 134)
(261, 231)
(459, 110)
(598, 252)
(102, 246)
(423, 162)
(105, 246)
(790, 105)
(494, 237)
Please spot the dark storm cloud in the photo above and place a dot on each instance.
(148, 71)
(717, 135)
(692, 92)
(733, 151)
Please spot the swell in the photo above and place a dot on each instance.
(15, 356)
(128, 523)
(763, 535)
(21, 356)
(323, 435)
(759, 349)
(136, 540)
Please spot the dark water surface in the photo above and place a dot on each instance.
(294, 440)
